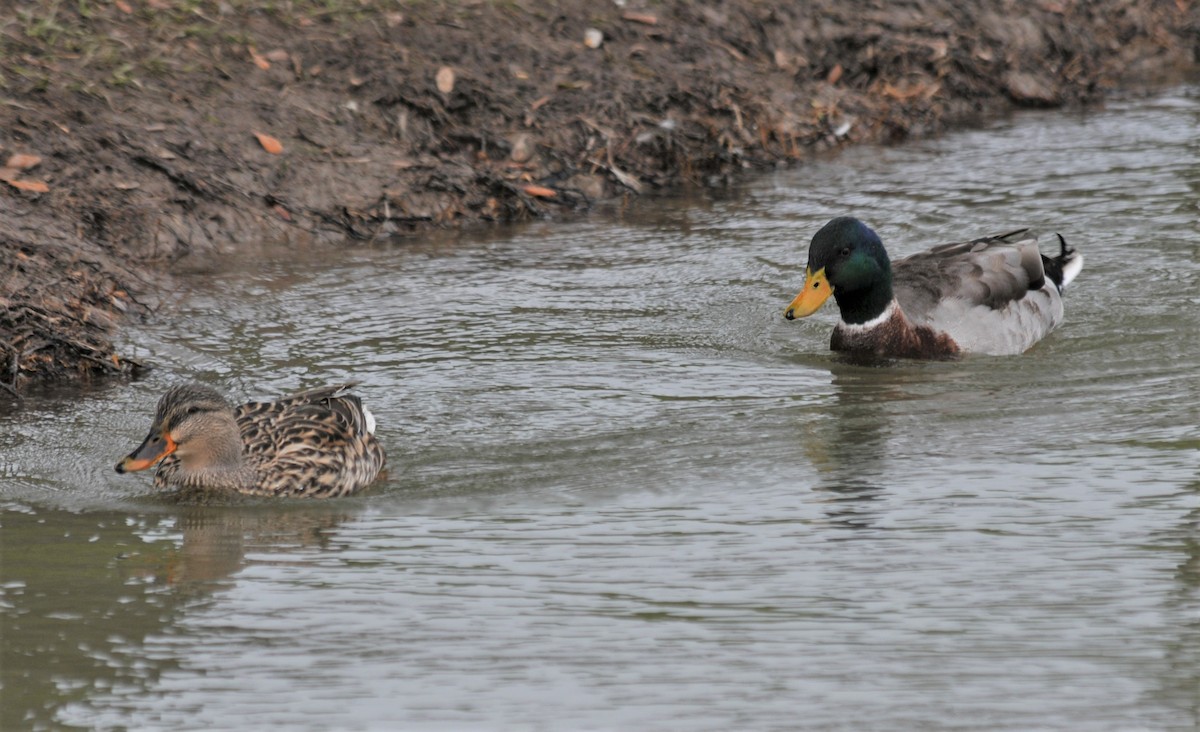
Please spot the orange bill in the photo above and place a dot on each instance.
(816, 291)
(155, 447)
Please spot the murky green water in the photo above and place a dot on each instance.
(626, 494)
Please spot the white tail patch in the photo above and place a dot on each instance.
(1071, 268)
(370, 421)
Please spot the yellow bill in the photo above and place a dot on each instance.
(816, 291)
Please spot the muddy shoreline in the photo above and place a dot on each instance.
(148, 130)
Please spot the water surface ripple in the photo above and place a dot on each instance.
(626, 494)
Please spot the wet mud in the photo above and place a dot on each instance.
(139, 132)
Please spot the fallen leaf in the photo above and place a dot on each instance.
(259, 61)
(539, 103)
(523, 148)
(737, 55)
(644, 18)
(445, 80)
(282, 212)
(123, 7)
(7, 174)
(270, 144)
(21, 161)
(125, 186)
(540, 191)
(36, 186)
(834, 74)
(279, 55)
(907, 92)
(629, 181)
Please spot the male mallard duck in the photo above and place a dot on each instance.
(319, 442)
(997, 295)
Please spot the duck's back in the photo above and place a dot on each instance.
(318, 442)
(990, 295)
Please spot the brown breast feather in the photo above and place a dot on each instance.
(895, 337)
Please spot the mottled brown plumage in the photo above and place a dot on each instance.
(314, 443)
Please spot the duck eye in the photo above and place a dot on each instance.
(845, 251)
(193, 410)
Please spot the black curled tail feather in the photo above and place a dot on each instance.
(1058, 269)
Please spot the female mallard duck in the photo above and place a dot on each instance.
(318, 442)
(997, 295)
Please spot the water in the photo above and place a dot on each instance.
(625, 493)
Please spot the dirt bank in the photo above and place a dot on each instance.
(159, 128)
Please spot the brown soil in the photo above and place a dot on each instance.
(393, 118)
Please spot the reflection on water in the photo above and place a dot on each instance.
(625, 493)
(67, 607)
(95, 587)
(1182, 650)
(849, 451)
